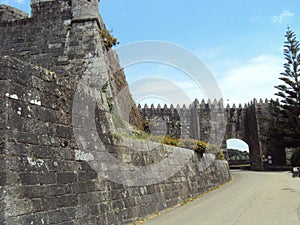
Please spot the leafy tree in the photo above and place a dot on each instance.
(288, 109)
(295, 160)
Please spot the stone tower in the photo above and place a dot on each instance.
(85, 9)
(81, 9)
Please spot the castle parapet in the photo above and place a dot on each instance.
(85, 10)
(79, 10)
(8, 13)
(207, 105)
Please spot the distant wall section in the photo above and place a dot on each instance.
(208, 120)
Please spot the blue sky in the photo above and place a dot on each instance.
(240, 41)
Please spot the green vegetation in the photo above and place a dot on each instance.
(200, 147)
(295, 160)
(188, 143)
(215, 149)
(287, 110)
(108, 39)
(104, 87)
(234, 154)
(117, 120)
(110, 104)
(135, 118)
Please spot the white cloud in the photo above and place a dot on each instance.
(253, 79)
(159, 83)
(210, 52)
(160, 90)
(283, 17)
(238, 80)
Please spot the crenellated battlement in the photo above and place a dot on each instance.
(8, 13)
(204, 104)
(207, 119)
(53, 10)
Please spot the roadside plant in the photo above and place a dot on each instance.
(201, 147)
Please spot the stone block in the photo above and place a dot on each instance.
(66, 201)
(28, 178)
(49, 203)
(86, 176)
(46, 178)
(56, 190)
(66, 178)
(93, 209)
(36, 191)
(61, 215)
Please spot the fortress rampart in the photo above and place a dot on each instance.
(212, 122)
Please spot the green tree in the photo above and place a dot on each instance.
(295, 160)
(288, 108)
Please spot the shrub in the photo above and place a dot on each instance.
(108, 39)
(187, 143)
(220, 155)
(215, 149)
(154, 138)
(295, 159)
(167, 140)
(201, 147)
(104, 87)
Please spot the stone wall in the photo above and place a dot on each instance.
(64, 38)
(44, 180)
(211, 122)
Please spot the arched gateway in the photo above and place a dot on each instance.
(210, 121)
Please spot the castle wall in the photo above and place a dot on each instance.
(40, 39)
(44, 179)
(252, 137)
(211, 122)
(66, 37)
(10, 13)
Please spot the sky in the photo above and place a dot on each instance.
(240, 42)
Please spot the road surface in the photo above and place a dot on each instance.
(252, 198)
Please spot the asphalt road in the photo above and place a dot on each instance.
(252, 198)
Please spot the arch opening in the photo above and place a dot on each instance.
(237, 144)
(237, 153)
